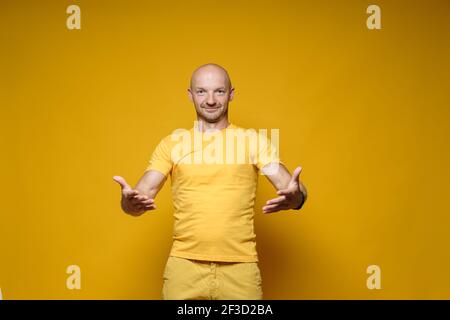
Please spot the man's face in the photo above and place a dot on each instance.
(210, 92)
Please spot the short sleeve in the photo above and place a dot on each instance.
(161, 159)
(267, 152)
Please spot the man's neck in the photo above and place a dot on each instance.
(219, 125)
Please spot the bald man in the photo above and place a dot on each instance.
(213, 255)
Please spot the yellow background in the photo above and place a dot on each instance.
(364, 112)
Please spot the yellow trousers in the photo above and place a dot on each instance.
(187, 279)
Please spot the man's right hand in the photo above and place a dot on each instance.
(133, 201)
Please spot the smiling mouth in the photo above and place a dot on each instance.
(211, 109)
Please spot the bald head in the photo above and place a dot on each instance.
(211, 91)
(210, 72)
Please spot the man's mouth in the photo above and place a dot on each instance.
(211, 109)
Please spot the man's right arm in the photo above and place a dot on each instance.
(141, 199)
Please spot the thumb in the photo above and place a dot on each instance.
(123, 184)
(296, 174)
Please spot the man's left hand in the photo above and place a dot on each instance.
(289, 198)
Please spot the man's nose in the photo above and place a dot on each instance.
(210, 100)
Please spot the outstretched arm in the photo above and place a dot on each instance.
(141, 199)
(292, 193)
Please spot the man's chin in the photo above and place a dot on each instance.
(211, 118)
(215, 120)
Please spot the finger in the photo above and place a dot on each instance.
(296, 174)
(271, 206)
(276, 200)
(130, 195)
(148, 207)
(140, 197)
(138, 201)
(271, 210)
(123, 184)
(274, 208)
(147, 202)
(143, 203)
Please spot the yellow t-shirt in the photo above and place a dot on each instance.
(213, 191)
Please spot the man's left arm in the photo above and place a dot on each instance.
(292, 193)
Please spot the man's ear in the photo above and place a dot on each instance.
(231, 94)
(190, 95)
